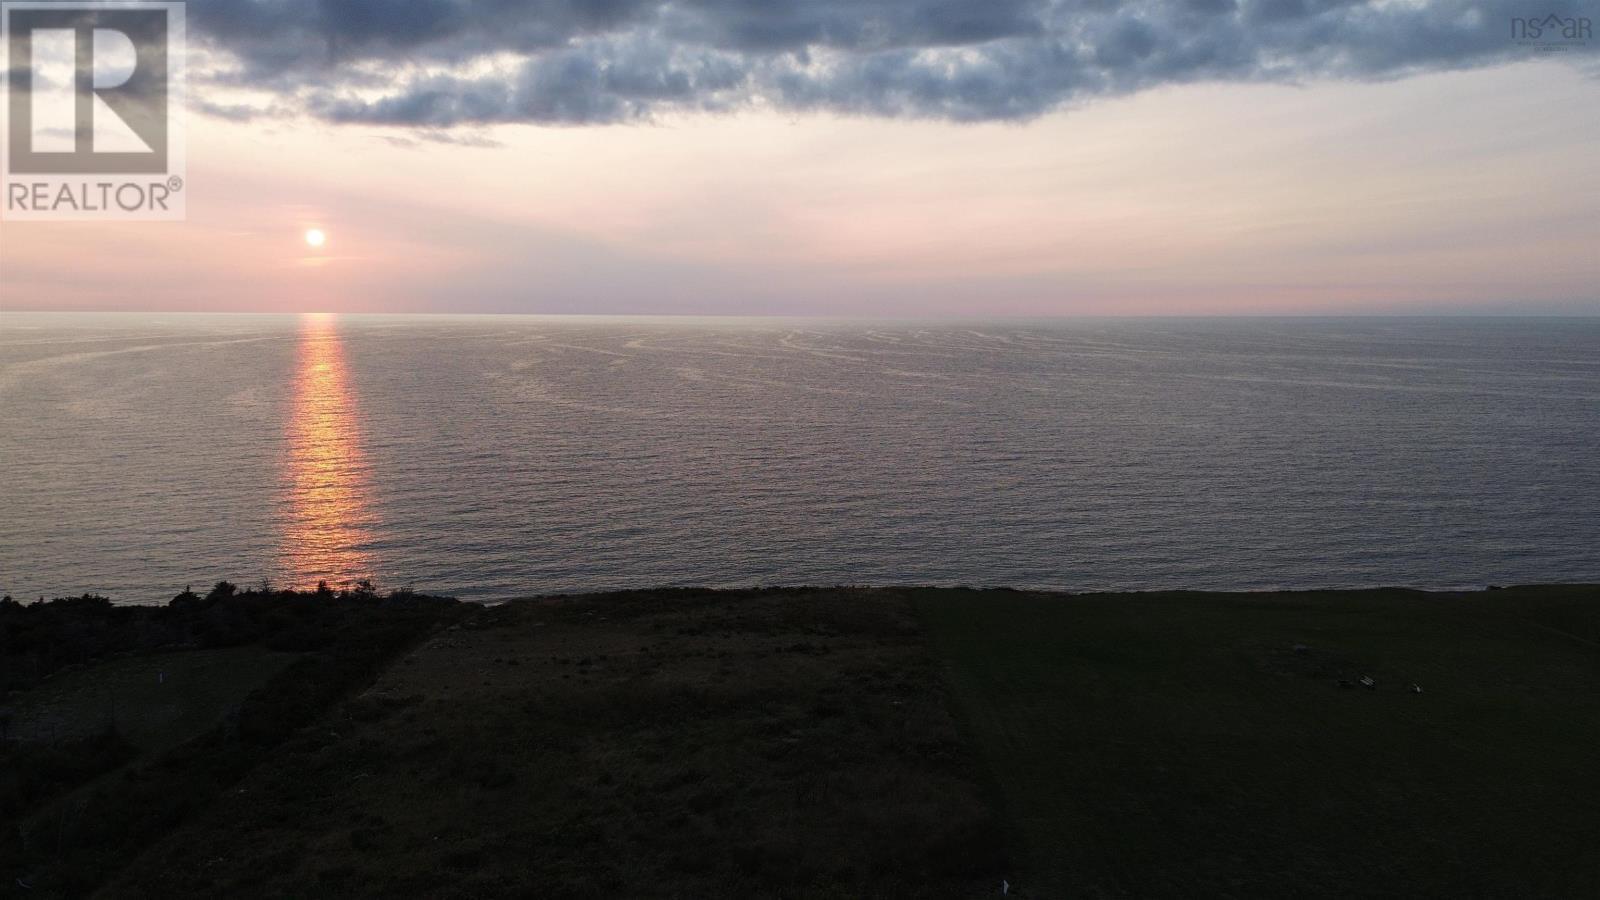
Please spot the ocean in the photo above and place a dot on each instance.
(494, 457)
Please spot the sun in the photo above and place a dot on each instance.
(315, 237)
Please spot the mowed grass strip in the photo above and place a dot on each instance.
(1200, 745)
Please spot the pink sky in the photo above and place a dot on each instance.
(1464, 191)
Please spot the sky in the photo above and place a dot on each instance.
(862, 158)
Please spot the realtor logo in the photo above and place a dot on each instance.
(93, 109)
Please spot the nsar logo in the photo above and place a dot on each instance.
(1552, 33)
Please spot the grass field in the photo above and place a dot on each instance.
(657, 744)
(841, 743)
(122, 723)
(154, 702)
(1179, 745)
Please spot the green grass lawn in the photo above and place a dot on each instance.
(1178, 745)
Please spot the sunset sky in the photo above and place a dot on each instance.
(881, 158)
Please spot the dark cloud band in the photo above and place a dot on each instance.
(427, 62)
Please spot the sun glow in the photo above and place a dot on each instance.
(315, 237)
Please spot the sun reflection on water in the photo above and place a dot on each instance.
(329, 521)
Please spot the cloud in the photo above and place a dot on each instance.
(438, 64)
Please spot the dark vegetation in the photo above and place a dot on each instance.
(655, 744)
(824, 743)
(39, 639)
(76, 810)
(1201, 745)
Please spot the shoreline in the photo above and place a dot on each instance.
(576, 594)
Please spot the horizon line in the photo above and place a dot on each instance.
(814, 316)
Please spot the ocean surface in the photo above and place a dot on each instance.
(496, 457)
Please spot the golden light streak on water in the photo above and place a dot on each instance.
(329, 519)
